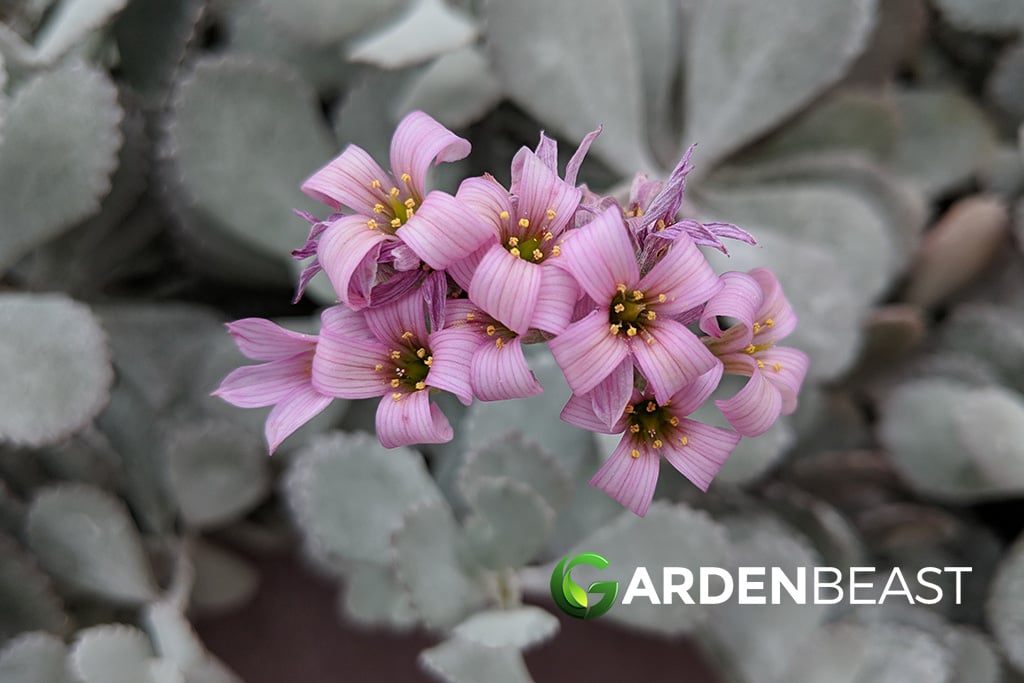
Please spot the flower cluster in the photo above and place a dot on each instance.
(439, 292)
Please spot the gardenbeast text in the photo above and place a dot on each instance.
(801, 586)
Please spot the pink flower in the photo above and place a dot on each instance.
(394, 224)
(651, 429)
(748, 348)
(632, 317)
(283, 381)
(498, 368)
(387, 351)
(514, 279)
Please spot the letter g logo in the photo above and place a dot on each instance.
(572, 599)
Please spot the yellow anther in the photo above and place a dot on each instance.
(650, 340)
(406, 178)
(635, 453)
(760, 363)
(651, 315)
(660, 224)
(619, 308)
(621, 288)
(662, 298)
(420, 386)
(428, 361)
(491, 330)
(776, 367)
(407, 335)
(396, 223)
(537, 254)
(503, 215)
(395, 355)
(651, 406)
(674, 421)
(514, 251)
(556, 250)
(657, 443)
(629, 410)
(631, 331)
(395, 382)
(378, 208)
(634, 429)
(470, 316)
(513, 241)
(499, 343)
(550, 214)
(410, 203)
(614, 329)
(637, 295)
(548, 236)
(378, 367)
(769, 322)
(757, 327)
(524, 222)
(374, 183)
(394, 192)
(397, 396)
(371, 224)
(683, 441)
(750, 348)
(421, 353)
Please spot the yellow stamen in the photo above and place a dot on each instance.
(635, 453)
(421, 353)
(524, 222)
(397, 396)
(371, 224)
(634, 429)
(614, 329)
(674, 421)
(428, 361)
(660, 224)
(395, 383)
(420, 386)
(378, 367)
(651, 406)
(513, 241)
(491, 330)
(619, 308)
(683, 441)
(537, 254)
(657, 443)
(556, 250)
(406, 178)
(503, 215)
(637, 295)
(776, 366)
(757, 327)
(661, 298)
(760, 364)
(470, 316)
(629, 410)
(769, 322)
(394, 192)
(551, 214)
(396, 223)
(621, 288)
(631, 331)
(514, 251)
(548, 236)
(410, 203)
(378, 208)
(395, 355)
(499, 343)
(651, 315)
(407, 335)
(750, 349)
(375, 183)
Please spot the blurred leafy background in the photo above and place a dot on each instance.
(150, 157)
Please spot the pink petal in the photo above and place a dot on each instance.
(540, 190)
(452, 349)
(775, 306)
(500, 373)
(506, 287)
(693, 395)
(629, 480)
(461, 312)
(572, 168)
(255, 386)
(556, 299)
(410, 420)
(463, 270)
(344, 321)
(793, 364)
(740, 298)
(348, 181)
(587, 351)
(547, 151)
(610, 397)
(348, 253)
(755, 408)
(419, 141)
(579, 411)
(294, 410)
(261, 339)
(674, 359)
(684, 276)
(443, 231)
(600, 256)
(390, 321)
(487, 198)
(346, 367)
(706, 450)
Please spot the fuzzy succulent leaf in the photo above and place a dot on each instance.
(223, 580)
(457, 89)
(55, 365)
(151, 39)
(1005, 605)
(510, 522)
(175, 641)
(373, 597)
(322, 21)
(27, 595)
(521, 460)
(86, 538)
(430, 28)
(986, 16)
(518, 627)
(458, 660)
(69, 24)
(117, 653)
(35, 657)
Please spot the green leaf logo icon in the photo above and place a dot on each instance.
(571, 598)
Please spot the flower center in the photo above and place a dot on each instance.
(630, 310)
(652, 424)
(491, 327)
(408, 367)
(394, 207)
(530, 240)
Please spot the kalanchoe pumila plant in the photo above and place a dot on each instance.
(438, 293)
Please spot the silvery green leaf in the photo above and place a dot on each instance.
(27, 595)
(217, 471)
(1003, 86)
(229, 118)
(64, 123)
(152, 37)
(669, 536)
(750, 65)
(1004, 172)
(70, 23)
(846, 121)
(373, 597)
(35, 657)
(974, 656)
(520, 460)
(349, 494)
(518, 627)
(429, 28)
(87, 540)
(55, 365)
(574, 91)
(989, 424)
(325, 21)
(175, 641)
(433, 565)
(457, 89)
(986, 16)
(1005, 606)
(252, 32)
(900, 28)
(114, 653)
(509, 523)
(659, 30)
(945, 138)
(756, 640)
(461, 661)
(991, 333)
(535, 417)
(369, 114)
(223, 580)
(86, 457)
